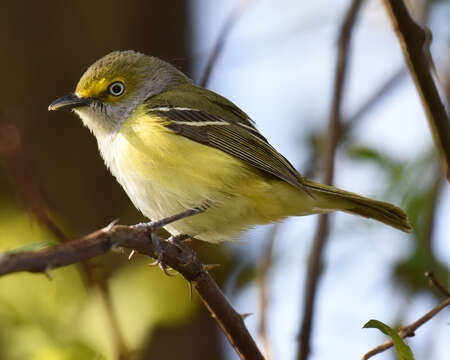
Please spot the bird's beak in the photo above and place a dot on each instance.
(70, 101)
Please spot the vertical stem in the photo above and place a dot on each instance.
(263, 270)
(334, 126)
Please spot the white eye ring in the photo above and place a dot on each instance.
(117, 88)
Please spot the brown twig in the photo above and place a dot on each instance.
(415, 43)
(434, 281)
(408, 330)
(322, 229)
(231, 20)
(351, 121)
(374, 99)
(263, 270)
(185, 261)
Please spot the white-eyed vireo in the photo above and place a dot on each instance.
(175, 146)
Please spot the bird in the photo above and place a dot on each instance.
(193, 160)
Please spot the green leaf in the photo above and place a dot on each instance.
(366, 153)
(403, 350)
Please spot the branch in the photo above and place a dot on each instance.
(315, 265)
(434, 281)
(415, 43)
(408, 330)
(232, 18)
(264, 265)
(374, 99)
(354, 119)
(182, 259)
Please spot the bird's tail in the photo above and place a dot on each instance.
(329, 198)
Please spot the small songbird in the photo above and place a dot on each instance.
(180, 149)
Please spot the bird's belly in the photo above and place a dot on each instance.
(169, 174)
(166, 181)
(222, 219)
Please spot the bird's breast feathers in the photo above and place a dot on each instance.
(164, 173)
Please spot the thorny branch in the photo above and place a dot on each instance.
(180, 258)
(334, 124)
(415, 42)
(409, 330)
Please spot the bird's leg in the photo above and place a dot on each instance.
(153, 226)
(178, 240)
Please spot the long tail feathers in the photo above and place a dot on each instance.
(336, 199)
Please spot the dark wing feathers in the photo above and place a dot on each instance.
(241, 140)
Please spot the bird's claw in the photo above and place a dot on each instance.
(162, 266)
(178, 241)
(153, 226)
(159, 252)
(156, 242)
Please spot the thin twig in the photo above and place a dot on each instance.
(374, 99)
(315, 260)
(434, 281)
(354, 119)
(182, 259)
(231, 20)
(408, 330)
(263, 271)
(415, 42)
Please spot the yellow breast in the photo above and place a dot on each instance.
(164, 173)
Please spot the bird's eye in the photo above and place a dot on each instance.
(116, 88)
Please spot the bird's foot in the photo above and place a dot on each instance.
(153, 226)
(179, 240)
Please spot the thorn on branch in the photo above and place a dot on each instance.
(47, 273)
(245, 315)
(108, 227)
(132, 252)
(208, 267)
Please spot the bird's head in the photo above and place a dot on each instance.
(114, 86)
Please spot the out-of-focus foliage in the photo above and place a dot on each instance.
(47, 45)
(64, 319)
(418, 184)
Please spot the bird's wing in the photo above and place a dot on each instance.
(238, 138)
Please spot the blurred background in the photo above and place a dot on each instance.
(277, 63)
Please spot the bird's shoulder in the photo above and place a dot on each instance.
(188, 97)
(210, 119)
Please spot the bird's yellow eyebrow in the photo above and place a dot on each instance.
(95, 88)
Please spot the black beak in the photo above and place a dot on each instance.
(70, 101)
